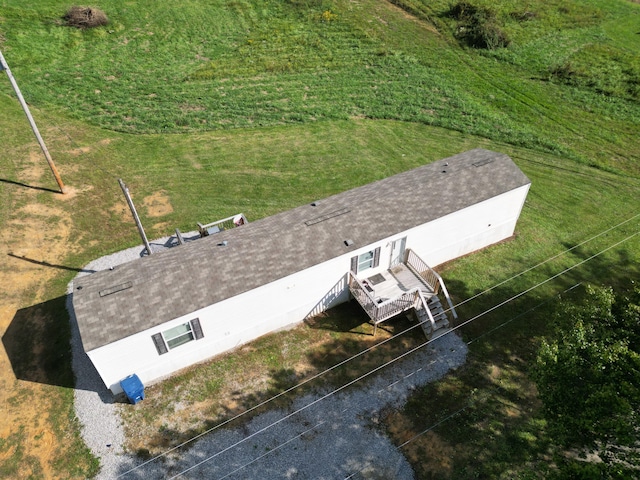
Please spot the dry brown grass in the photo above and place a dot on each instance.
(85, 17)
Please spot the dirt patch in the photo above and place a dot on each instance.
(79, 151)
(71, 192)
(31, 242)
(161, 227)
(157, 205)
(121, 210)
(428, 450)
(34, 167)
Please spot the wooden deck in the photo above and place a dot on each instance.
(411, 284)
(397, 280)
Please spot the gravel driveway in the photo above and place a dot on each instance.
(323, 436)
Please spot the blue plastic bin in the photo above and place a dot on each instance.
(133, 388)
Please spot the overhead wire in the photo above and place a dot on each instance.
(471, 402)
(343, 362)
(271, 450)
(547, 260)
(409, 352)
(405, 376)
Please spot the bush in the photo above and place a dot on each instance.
(85, 17)
(478, 26)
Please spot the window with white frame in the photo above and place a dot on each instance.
(178, 335)
(365, 261)
(370, 259)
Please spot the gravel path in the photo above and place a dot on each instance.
(322, 436)
(95, 405)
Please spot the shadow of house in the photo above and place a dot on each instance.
(37, 344)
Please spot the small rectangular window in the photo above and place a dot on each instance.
(370, 259)
(178, 335)
(365, 261)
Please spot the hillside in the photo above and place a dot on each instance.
(207, 108)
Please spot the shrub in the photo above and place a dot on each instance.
(478, 26)
(85, 17)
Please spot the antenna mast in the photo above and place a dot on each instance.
(125, 190)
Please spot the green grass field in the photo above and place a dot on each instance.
(259, 106)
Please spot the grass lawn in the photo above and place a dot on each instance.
(206, 109)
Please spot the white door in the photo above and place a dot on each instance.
(397, 251)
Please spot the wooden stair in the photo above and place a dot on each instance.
(441, 322)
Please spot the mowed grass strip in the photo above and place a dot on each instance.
(567, 79)
(262, 172)
(306, 79)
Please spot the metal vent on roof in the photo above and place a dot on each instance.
(327, 216)
(480, 163)
(115, 289)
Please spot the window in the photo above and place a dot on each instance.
(365, 261)
(176, 336)
(370, 259)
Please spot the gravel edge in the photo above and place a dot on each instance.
(348, 418)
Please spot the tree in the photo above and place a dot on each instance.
(588, 376)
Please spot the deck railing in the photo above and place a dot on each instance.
(364, 298)
(429, 275)
(424, 271)
(224, 224)
(394, 306)
(379, 312)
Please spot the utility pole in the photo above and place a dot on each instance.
(4, 66)
(125, 190)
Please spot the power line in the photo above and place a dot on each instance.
(403, 355)
(547, 260)
(314, 377)
(406, 376)
(470, 403)
(273, 449)
(521, 315)
(343, 411)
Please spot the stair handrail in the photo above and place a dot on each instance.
(412, 257)
(446, 295)
(426, 307)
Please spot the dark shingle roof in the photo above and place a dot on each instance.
(153, 290)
